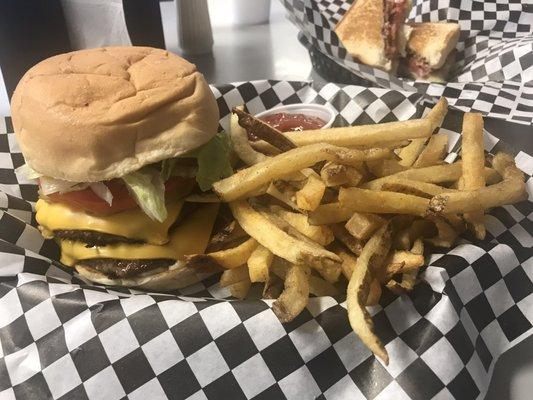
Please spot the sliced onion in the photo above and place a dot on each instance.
(102, 191)
(27, 171)
(51, 185)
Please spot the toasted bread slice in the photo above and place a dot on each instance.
(433, 41)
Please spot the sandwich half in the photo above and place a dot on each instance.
(374, 32)
(430, 51)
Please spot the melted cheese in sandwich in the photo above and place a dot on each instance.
(133, 224)
(189, 237)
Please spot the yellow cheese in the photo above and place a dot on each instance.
(133, 224)
(190, 237)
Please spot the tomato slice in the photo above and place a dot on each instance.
(87, 200)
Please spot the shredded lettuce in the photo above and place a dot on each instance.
(148, 189)
(214, 161)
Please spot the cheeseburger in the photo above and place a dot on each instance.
(117, 138)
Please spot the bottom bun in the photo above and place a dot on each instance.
(176, 276)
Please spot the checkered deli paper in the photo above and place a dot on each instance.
(65, 338)
(494, 70)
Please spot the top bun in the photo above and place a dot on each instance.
(98, 114)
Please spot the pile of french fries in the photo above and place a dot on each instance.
(351, 209)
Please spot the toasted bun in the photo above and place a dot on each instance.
(433, 41)
(360, 32)
(176, 276)
(98, 114)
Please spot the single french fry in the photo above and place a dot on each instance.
(348, 262)
(353, 244)
(374, 293)
(240, 289)
(317, 286)
(437, 114)
(318, 233)
(364, 135)
(381, 168)
(259, 264)
(229, 258)
(231, 276)
(358, 289)
(336, 174)
(415, 188)
(434, 151)
(331, 213)
(379, 202)
(434, 174)
(507, 192)
(295, 294)
(284, 245)
(309, 197)
(446, 235)
(405, 238)
(262, 130)
(273, 287)
(473, 157)
(362, 225)
(410, 153)
(241, 145)
(400, 261)
(281, 191)
(245, 181)
(232, 232)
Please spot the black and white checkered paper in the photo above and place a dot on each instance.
(64, 338)
(494, 70)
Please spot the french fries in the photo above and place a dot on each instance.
(229, 258)
(259, 264)
(434, 151)
(318, 233)
(262, 173)
(433, 174)
(295, 294)
(473, 165)
(283, 245)
(437, 114)
(358, 289)
(317, 286)
(343, 236)
(336, 174)
(241, 145)
(327, 214)
(381, 202)
(362, 225)
(309, 197)
(511, 190)
(415, 188)
(410, 153)
(365, 211)
(263, 130)
(240, 289)
(364, 135)
(231, 276)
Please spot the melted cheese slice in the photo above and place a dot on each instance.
(189, 237)
(133, 224)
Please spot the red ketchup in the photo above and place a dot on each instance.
(285, 122)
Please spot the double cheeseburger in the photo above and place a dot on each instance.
(117, 138)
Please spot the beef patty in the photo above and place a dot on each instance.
(93, 238)
(115, 268)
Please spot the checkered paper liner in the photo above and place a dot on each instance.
(494, 70)
(62, 337)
